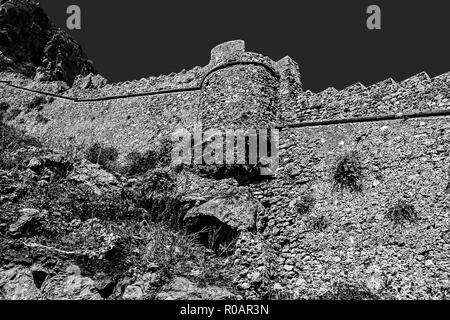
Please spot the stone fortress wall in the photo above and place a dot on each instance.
(131, 115)
(400, 131)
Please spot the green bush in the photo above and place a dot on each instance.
(402, 211)
(348, 172)
(140, 163)
(102, 155)
(167, 248)
(318, 223)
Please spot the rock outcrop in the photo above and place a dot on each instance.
(238, 209)
(32, 46)
(69, 230)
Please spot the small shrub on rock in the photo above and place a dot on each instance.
(140, 163)
(348, 172)
(168, 249)
(159, 180)
(402, 211)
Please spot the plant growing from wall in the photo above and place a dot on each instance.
(347, 173)
(402, 211)
(317, 223)
(305, 204)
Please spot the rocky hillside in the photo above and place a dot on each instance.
(71, 230)
(32, 46)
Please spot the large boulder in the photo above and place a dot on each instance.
(237, 209)
(196, 189)
(92, 176)
(17, 284)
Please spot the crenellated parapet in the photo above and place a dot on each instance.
(419, 93)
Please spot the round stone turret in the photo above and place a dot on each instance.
(240, 91)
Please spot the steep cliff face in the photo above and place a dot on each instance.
(32, 46)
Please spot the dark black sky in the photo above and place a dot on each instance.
(136, 38)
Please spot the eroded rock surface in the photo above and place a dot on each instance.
(31, 45)
(238, 209)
